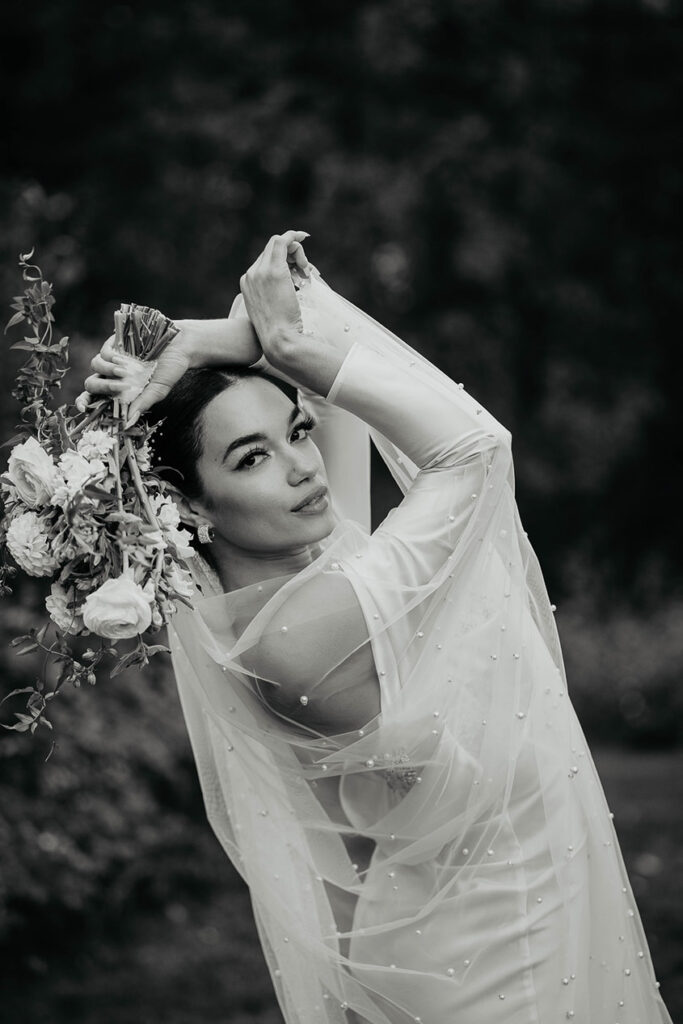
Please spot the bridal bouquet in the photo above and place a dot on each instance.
(83, 507)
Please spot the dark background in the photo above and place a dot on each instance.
(498, 182)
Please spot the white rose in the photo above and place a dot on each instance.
(29, 545)
(76, 471)
(95, 444)
(59, 604)
(33, 473)
(119, 609)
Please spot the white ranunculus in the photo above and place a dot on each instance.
(76, 472)
(95, 444)
(182, 540)
(180, 581)
(168, 609)
(77, 537)
(29, 545)
(166, 511)
(33, 473)
(119, 609)
(66, 618)
(144, 457)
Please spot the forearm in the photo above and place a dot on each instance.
(309, 360)
(219, 342)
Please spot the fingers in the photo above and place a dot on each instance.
(296, 257)
(97, 384)
(286, 248)
(281, 253)
(170, 368)
(110, 347)
(107, 367)
(152, 394)
(83, 401)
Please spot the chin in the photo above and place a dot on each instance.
(319, 530)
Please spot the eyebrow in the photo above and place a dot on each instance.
(239, 442)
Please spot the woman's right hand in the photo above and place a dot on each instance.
(113, 375)
(198, 343)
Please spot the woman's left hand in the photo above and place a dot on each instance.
(268, 289)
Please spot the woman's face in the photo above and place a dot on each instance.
(259, 468)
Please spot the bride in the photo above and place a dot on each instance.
(380, 721)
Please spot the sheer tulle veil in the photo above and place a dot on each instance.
(455, 856)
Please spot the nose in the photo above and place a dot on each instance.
(302, 465)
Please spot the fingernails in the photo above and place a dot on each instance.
(132, 420)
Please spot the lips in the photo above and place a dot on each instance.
(317, 493)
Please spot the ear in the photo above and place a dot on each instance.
(192, 512)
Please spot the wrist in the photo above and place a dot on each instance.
(187, 341)
(282, 345)
(218, 342)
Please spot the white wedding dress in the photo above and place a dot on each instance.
(452, 861)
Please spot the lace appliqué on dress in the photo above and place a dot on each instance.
(400, 777)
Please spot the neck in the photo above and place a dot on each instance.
(240, 568)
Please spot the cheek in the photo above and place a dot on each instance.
(246, 506)
(255, 506)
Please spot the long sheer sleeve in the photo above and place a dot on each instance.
(450, 456)
(440, 434)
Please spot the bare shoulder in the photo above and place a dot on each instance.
(315, 653)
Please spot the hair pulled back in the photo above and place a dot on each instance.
(178, 439)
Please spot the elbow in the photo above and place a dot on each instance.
(499, 447)
(499, 436)
(504, 438)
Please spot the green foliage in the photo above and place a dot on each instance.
(116, 809)
(48, 359)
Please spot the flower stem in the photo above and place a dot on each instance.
(117, 474)
(143, 498)
(90, 418)
(137, 482)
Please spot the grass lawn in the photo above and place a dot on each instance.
(200, 963)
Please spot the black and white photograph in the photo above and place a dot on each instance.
(341, 556)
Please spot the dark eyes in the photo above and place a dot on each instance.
(300, 432)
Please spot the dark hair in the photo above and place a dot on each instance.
(177, 442)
